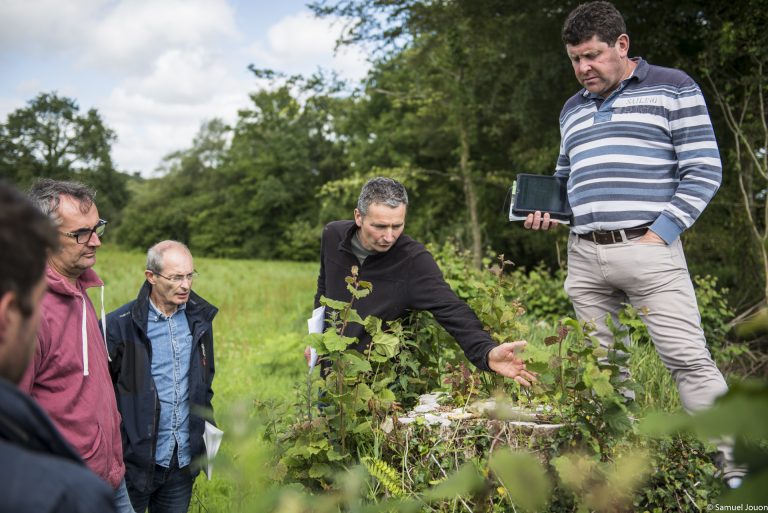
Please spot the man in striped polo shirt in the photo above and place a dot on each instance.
(640, 156)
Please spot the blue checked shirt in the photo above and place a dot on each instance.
(171, 353)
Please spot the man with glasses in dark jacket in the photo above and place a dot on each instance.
(161, 346)
(40, 471)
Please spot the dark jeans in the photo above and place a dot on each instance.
(171, 490)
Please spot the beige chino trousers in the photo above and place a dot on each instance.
(652, 277)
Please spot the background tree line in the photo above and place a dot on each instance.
(462, 95)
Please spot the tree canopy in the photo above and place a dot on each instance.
(462, 95)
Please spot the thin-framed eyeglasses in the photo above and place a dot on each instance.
(179, 278)
(84, 235)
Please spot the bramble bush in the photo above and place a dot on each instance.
(597, 461)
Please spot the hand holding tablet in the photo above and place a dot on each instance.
(540, 193)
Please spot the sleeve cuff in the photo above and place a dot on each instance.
(665, 228)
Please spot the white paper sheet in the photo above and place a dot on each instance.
(212, 438)
(315, 324)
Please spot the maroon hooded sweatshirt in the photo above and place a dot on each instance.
(69, 376)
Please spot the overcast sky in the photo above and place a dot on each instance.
(156, 69)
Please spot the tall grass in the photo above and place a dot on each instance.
(263, 308)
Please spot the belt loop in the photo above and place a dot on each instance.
(623, 236)
(594, 238)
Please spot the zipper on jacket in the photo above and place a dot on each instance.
(197, 340)
(156, 422)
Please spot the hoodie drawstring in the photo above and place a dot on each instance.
(84, 331)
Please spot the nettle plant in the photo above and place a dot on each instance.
(354, 394)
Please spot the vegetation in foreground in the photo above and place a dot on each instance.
(261, 403)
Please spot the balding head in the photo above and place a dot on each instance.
(156, 252)
(170, 271)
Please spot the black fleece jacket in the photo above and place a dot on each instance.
(40, 472)
(404, 278)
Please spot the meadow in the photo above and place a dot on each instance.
(259, 332)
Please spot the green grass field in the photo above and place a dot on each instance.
(259, 333)
(262, 317)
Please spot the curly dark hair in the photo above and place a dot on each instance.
(599, 19)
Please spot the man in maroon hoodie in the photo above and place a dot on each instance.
(69, 375)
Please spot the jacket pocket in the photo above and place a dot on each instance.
(98, 455)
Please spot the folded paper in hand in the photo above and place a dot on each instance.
(212, 439)
(315, 324)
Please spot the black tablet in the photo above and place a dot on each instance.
(545, 193)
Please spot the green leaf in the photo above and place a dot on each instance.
(332, 455)
(575, 470)
(333, 304)
(523, 477)
(363, 392)
(299, 451)
(386, 344)
(313, 339)
(333, 342)
(372, 325)
(355, 364)
(616, 418)
(599, 381)
(353, 316)
(319, 470)
(386, 396)
(362, 428)
(463, 483)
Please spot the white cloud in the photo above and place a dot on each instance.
(183, 76)
(45, 25)
(150, 128)
(157, 69)
(136, 32)
(301, 43)
(125, 36)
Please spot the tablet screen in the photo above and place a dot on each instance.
(544, 193)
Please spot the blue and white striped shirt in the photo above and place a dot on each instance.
(646, 154)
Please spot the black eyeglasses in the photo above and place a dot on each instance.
(84, 235)
(178, 278)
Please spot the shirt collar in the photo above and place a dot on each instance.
(639, 74)
(160, 315)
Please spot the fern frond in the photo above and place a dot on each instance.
(385, 474)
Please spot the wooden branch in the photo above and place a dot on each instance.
(735, 126)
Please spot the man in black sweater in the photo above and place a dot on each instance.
(39, 471)
(404, 277)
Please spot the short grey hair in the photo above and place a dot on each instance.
(156, 252)
(381, 190)
(46, 194)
